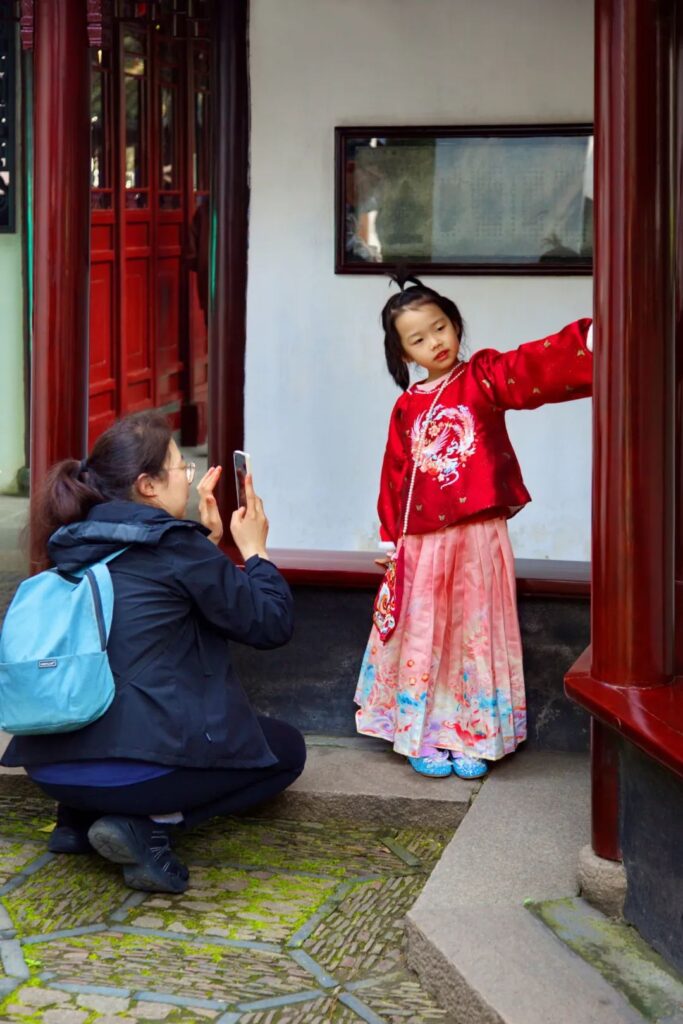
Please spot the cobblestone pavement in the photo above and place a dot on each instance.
(284, 923)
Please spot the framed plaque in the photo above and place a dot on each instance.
(465, 200)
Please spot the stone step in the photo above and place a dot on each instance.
(472, 938)
(361, 780)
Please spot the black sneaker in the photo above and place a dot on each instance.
(64, 839)
(144, 848)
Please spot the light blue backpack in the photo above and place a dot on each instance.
(54, 669)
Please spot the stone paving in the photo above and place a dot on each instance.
(284, 923)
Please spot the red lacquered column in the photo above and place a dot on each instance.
(633, 480)
(229, 225)
(678, 312)
(62, 217)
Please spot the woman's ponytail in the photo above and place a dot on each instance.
(65, 496)
(133, 446)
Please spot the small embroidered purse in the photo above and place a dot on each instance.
(387, 607)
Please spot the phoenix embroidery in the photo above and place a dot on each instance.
(450, 442)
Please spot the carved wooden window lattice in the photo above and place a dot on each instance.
(8, 86)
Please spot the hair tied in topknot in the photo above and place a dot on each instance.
(401, 276)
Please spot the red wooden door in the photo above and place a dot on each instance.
(199, 141)
(148, 345)
(104, 324)
(136, 223)
(170, 199)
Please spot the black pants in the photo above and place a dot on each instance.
(200, 793)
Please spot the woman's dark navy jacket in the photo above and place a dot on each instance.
(177, 602)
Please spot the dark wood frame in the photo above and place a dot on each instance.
(341, 134)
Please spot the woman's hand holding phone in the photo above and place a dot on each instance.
(209, 515)
(249, 526)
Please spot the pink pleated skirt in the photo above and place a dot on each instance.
(451, 674)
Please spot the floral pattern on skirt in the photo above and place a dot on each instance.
(451, 674)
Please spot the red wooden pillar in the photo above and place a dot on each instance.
(678, 312)
(228, 248)
(62, 218)
(633, 480)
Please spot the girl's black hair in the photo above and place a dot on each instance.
(134, 445)
(417, 294)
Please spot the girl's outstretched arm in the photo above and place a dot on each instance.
(556, 368)
(394, 468)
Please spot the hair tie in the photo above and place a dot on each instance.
(402, 277)
(82, 467)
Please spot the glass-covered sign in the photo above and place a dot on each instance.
(465, 200)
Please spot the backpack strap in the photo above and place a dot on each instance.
(99, 580)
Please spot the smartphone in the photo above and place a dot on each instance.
(242, 464)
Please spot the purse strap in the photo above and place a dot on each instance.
(453, 375)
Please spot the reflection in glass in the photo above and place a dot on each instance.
(98, 158)
(134, 171)
(168, 154)
(200, 162)
(134, 65)
(476, 200)
(136, 200)
(100, 200)
(168, 54)
(169, 201)
(133, 43)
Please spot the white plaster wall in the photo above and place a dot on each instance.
(12, 344)
(318, 396)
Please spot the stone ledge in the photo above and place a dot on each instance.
(481, 953)
(366, 784)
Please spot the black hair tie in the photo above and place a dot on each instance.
(402, 276)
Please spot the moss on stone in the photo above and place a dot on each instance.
(618, 953)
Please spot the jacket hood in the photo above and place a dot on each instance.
(108, 528)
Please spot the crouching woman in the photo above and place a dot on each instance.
(180, 743)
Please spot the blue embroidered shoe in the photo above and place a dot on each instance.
(434, 766)
(469, 767)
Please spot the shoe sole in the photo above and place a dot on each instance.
(428, 775)
(114, 841)
(146, 879)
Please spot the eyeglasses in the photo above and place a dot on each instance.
(190, 469)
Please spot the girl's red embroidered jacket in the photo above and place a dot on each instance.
(468, 467)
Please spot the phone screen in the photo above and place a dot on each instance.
(242, 464)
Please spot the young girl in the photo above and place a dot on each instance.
(442, 675)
